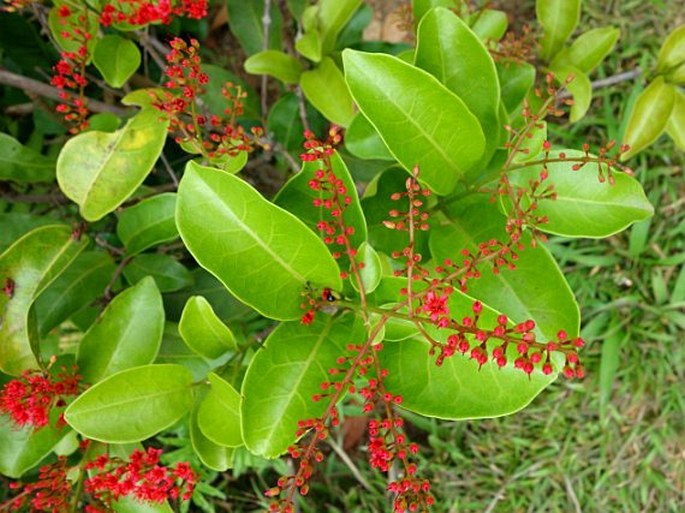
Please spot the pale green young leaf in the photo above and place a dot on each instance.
(589, 49)
(203, 331)
(280, 65)
(558, 19)
(325, 88)
(116, 58)
(219, 414)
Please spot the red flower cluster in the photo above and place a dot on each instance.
(211, 135)
(145, 12)
(140, 477)
(29, 399)
(49, 494)
(70, 71)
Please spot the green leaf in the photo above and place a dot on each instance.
(457, 389)
(296, 197)
(103, 122)
(584, 207)
(21, 164)
(285, 122)
(672, 52)
(203, 331)
(433, 130)
(247, 24)
(490, 24)
(649, 117)
(676, 122)
(535, 290)
(325, 88)
(362, 140)
(148, 223)
(99, 170)
(516, 79)
(133, 404)
(77, 287)
(175, 350)
(579, 86)
(309, 46)
(128, 333)
(32, 263)
(219, 413)
(589, 49)
(372, 271)
(212, 455)
(452, 53)
(558, 19)
(169, 274)
(23, 448)
(264, 255)
(295, 359)
(280, 65)
(609, 363)
(116, 58)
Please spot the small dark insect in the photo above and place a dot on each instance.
(8, 289)
(328, 295)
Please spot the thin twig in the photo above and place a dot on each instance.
(266, 26)
(48, 91)
(169, 169)
(117, 273)
(154, 48)
(303, 109)
(608, 81)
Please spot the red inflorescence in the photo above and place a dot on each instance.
(145, 12)
(141, 477)
(209, 134)
(28, 400)
(49, 494)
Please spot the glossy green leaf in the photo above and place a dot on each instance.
(132, 405)
(676, 122)
(116, 58)
(372, 271)
(516, 79)
(203, 331)
(285, 123)
(584, 207)
(309, 45)
(649, 117)
(247, 24)
(589, 49)
(536, 289)
(21, 164)
(32, 263)
(148, 223)
(457, 389)
(264, 255)
(127, 334)
(212, 455)
(433, 130)
(325, 88)
(490, 24)
(128, 504)
(77, 287)
(449, 50)
(169, 274)
(219, 413)
(23, 448)
(297, 197)
(103, 122)
(280, 65)
(578, 84)
(672, 52)
(362, 140)
(295, 360)
(99, 170)
(558, 19)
